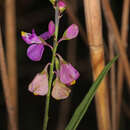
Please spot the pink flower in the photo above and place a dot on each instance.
(36, 48)
(68, 74)
(39, 85)
(60, 90)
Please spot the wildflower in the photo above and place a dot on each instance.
(60, 90)
(71, 32)
(36, 49)
(39, 85)
(68, 74)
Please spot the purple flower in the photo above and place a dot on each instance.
(39, 85)
(68, 74)
(71, 32)
(36, 49)
(51, 30)
(60, 90)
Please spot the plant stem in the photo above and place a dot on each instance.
(95, 38)
(51, 74)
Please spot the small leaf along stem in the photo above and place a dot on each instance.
(51, 73)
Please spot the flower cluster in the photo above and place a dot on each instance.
(66, 74)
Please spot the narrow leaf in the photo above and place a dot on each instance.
(82, 108)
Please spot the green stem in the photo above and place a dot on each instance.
(51, 73)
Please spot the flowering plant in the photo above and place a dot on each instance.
(66, 75)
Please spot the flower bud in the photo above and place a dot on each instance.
(62, 6)
(51, 27)
(71, 32)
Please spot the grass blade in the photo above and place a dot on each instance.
(82, 108)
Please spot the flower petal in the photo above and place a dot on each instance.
(60, 90)
(30, 38)
(45, 35)
(71, 32)
(51, 27)
(68, 74)
(39, 85)
(35, 52)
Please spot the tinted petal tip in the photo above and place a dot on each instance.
(23, 33)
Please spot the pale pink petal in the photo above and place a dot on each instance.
(60, 91)
(39, 85)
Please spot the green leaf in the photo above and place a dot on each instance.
(83, 106)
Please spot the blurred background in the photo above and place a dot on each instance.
(37, 14)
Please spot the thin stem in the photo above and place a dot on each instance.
(112, 80)
(51, 74)
(10, 33)
(94, 30)
(120, 76)
(6, 88)
(111, 23)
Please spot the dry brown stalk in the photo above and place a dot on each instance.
(112, 80)
(120, 76)
(6, 88)
(94, 29)
(10, 29)
(111, 23)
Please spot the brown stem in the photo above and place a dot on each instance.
(112, 24)
(6, 88)
(112, 80)
(124, 35)
(10, 33)
(94, 29)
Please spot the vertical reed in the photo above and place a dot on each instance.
(118, 41)
(6, 88)
(94, 29)
(10, 33)
(112, 79)
(120, 76)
